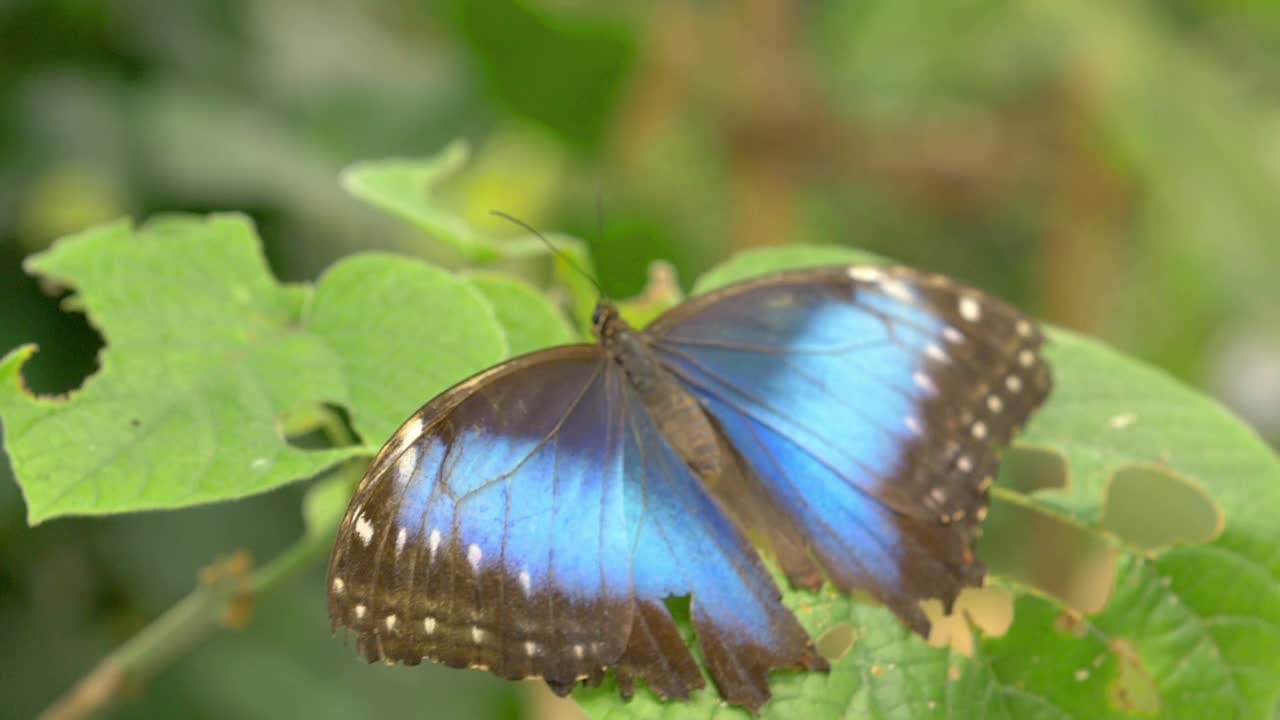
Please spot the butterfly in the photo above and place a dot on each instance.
(533, 519)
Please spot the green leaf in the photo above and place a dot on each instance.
(530, 321)
(405, 188)
(1193, 631)
(1204, 620)
(208, 358)
(403, 332)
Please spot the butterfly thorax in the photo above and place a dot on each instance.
(679, 416)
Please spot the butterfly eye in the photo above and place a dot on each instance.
(600, 317)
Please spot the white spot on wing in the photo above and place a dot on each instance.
(429, 624)
(579, 651)
(913, 425)
(360, 611)
(939, 495)
(433, 542)
(994, 403)
(476, 634)
(530, 647)
(897, 290)
(405, 465)
(970, 309)
(408, 432)
(866, 273)
(937, 353)
(526, 583)
(964, 464)
(979, 430)
(1024, 328)
(391, 622)
(339, 585)
(952, 335)
(364, 528)
(401, 538)
(474, 555)
(925, 383)
(1014, 383)
(1027, 358)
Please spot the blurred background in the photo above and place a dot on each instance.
(1112, 167)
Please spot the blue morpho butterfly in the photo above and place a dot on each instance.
(532, 519)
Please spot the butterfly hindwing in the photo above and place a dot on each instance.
(869, 404)
(684, 544)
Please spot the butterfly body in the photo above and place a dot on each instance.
(533, 519)
(680, 418)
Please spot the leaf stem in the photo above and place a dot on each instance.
(223, 598)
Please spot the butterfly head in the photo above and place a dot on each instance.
(605, 320)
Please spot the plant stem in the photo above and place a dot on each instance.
(221, 599)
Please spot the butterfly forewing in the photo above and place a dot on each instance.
(489, 532)
(870, 404)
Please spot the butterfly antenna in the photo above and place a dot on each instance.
(599, 213)
(554, 250)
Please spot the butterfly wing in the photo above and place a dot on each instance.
(869, 405)
(684, 544)
(531, 521)
(489, 531)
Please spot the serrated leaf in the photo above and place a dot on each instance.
(1192, 632)
(530, 321)
(207, 357)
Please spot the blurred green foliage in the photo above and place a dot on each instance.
(1114, 167)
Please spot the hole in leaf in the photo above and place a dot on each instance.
(1133, 690)
(1026, 470)
(317, 426)
(836, 641)
(69, 346)
(1058, 557)
(1151, 508)
(678, 606)
(989, 608)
